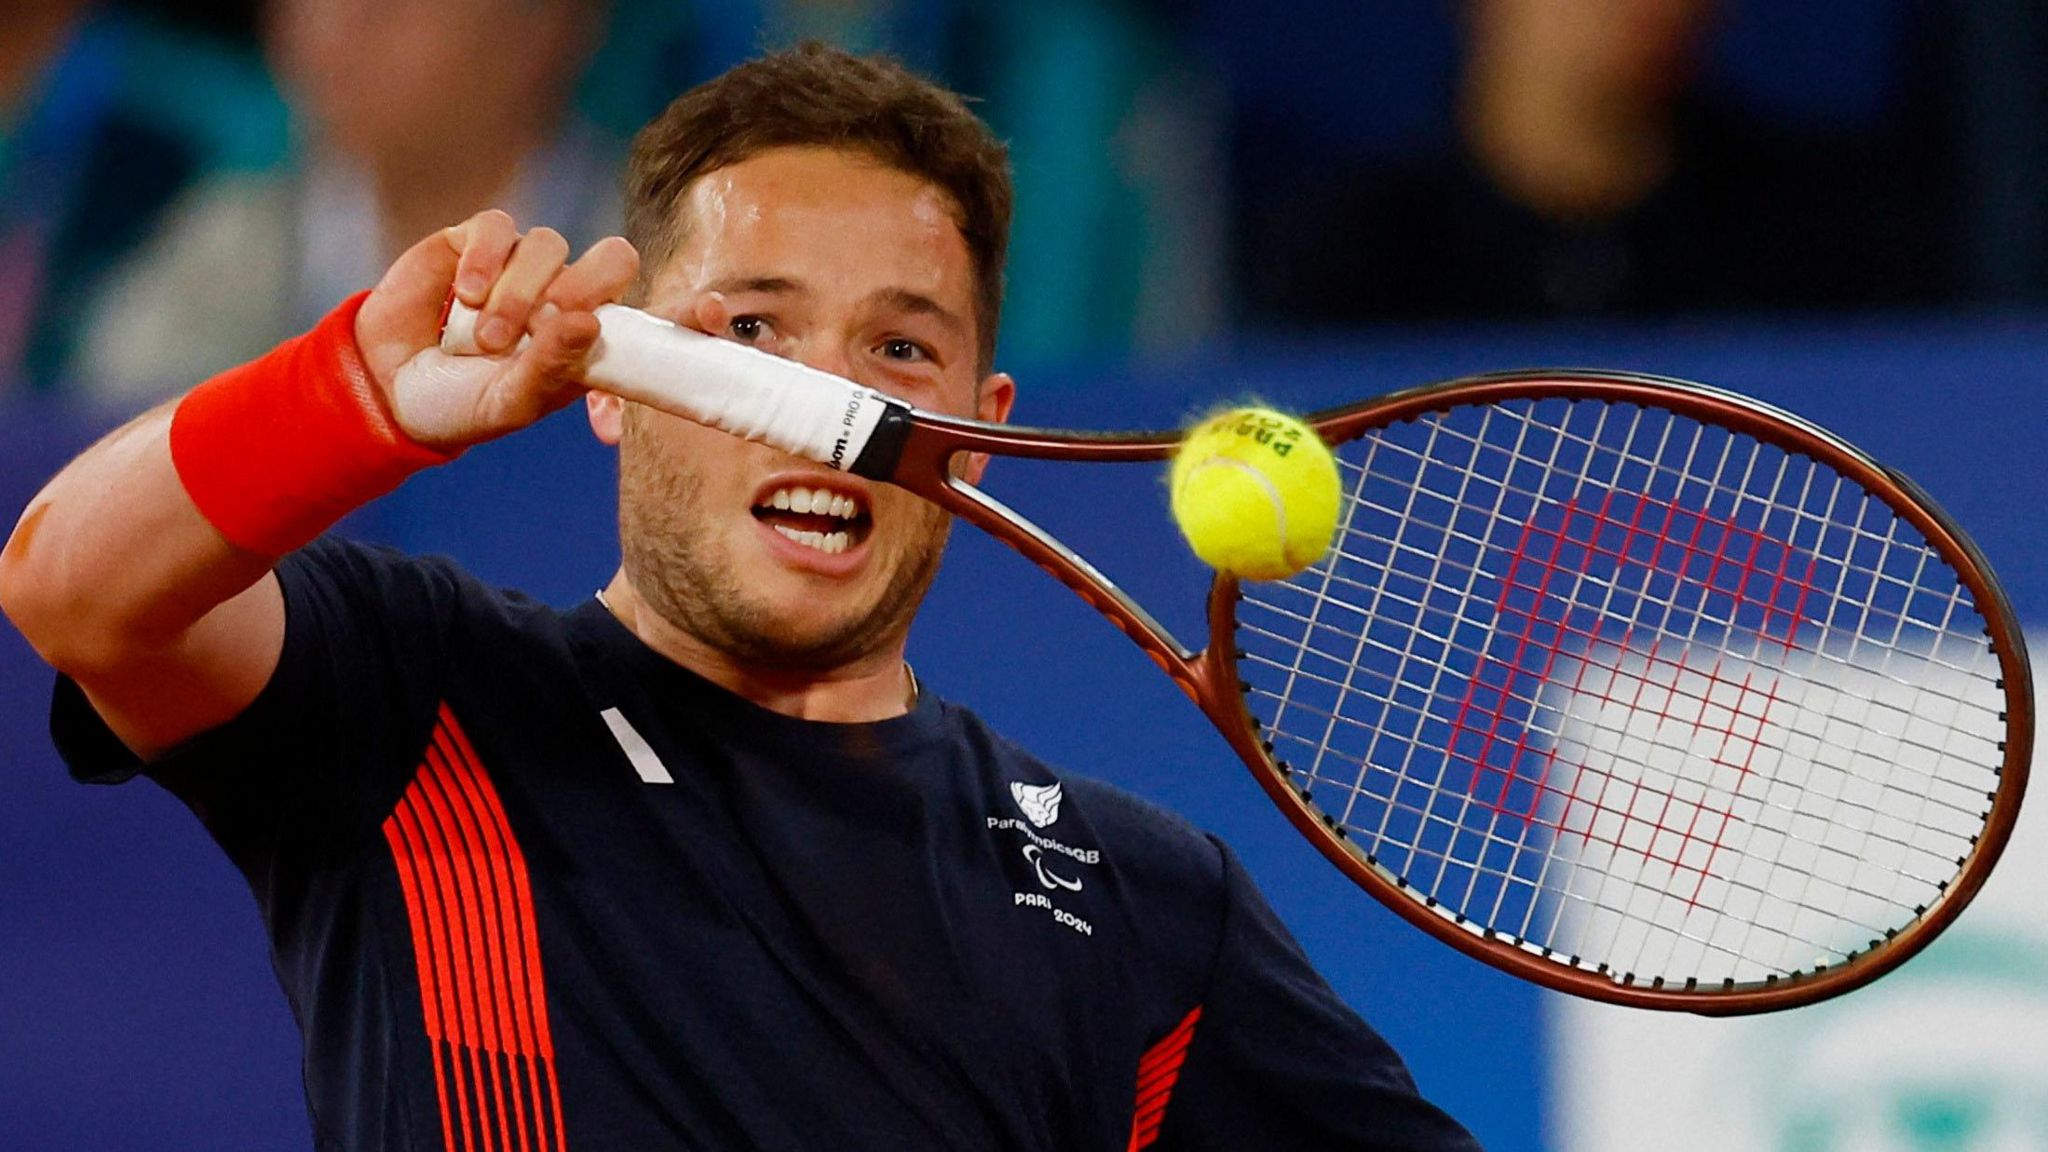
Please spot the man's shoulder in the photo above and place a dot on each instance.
(373, 567)
(431, 592)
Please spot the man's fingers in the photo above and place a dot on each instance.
(536, 261)
(449, 401)
(710, 314)
(519, 284)
(403, 311)
(421, 271)
(561, 340)
(548, 372)
(601, 276)
(403, 314)
(484, 242)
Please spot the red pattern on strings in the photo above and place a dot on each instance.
(1557, 605)
(470, 904)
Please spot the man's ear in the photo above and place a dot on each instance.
(998, 393)
(607, 416)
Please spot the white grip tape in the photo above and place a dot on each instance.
(731, 387)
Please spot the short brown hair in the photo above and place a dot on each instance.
(815, 94)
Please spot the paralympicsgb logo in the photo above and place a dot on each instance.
(1056, 866)
(1040, 802)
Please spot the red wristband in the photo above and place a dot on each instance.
(277, 450)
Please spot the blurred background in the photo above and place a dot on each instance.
(1840, 206)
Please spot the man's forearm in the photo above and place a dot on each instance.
(112, 557)
(142, 570)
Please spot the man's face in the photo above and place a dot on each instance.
(501, 62)
(832, 259)
(1630, 50)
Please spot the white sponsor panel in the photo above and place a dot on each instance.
(1947, 1054)
(1687, 845)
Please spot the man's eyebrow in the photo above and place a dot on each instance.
(772, 285)
(904, 300)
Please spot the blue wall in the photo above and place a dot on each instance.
(137, 1009)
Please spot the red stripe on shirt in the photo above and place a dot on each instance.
(533, 994)
(482, 992)
(401, 835)
(1158, 1071)
(471, 961)
(506, 974)
(453, 793)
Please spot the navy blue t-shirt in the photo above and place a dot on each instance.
(530, 885)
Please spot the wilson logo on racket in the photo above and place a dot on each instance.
(847, 420)
(1040, 802)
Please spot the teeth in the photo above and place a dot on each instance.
(827, 542)
(815, 502)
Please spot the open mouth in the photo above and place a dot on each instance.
(819, 518)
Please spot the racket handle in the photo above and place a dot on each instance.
(731, 387)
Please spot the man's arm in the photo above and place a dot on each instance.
(119, 577)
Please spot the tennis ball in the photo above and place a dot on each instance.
(1256, 493)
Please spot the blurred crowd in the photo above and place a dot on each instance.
(182, 184)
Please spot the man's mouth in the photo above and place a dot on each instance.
(819, 518)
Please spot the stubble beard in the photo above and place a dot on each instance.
(693, 584)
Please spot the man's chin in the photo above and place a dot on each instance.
(802, 629)
(812, 645)
(774, 618)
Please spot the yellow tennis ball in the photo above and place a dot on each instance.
(1256, 493)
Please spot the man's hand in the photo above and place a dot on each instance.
(521, 285)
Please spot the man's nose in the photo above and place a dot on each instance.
(828, 354)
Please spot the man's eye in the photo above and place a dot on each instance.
(903, 350)
(748, 329)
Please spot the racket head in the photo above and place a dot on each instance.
(1636, 689)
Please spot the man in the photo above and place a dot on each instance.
(696, 864)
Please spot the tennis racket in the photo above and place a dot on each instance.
(1631, 687)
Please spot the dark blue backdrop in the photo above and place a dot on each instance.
(137, 1010)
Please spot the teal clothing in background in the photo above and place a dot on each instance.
(124, 117)
(158, 175)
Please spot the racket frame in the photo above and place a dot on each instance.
(1210, 677)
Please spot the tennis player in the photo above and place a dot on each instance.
(697, 864)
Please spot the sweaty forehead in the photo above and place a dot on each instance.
(820, 215)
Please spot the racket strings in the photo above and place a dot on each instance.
(1655, 463)
(1632, 690)
(1964, 805)
(1357, 788)
(1394, 805)
(1825, 520)
(1957, 598)
(1395, 802)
